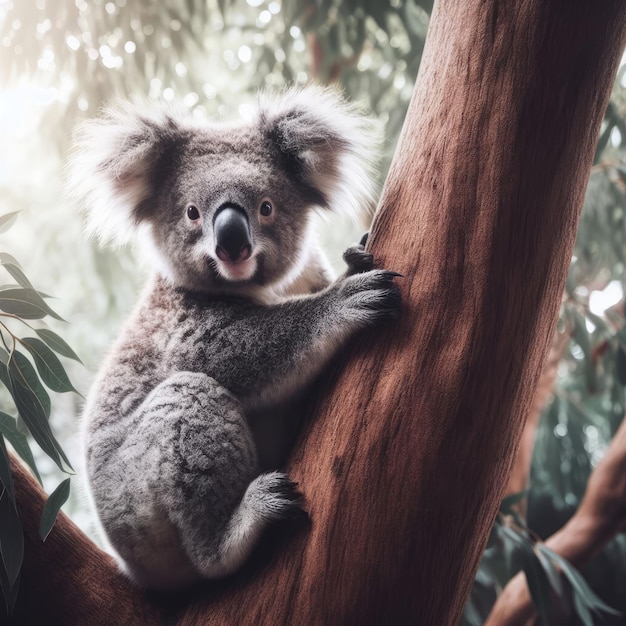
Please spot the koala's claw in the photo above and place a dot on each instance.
(364, 238)
(357, 260)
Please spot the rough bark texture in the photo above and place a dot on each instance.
(405, 465)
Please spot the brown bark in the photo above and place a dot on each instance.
(601, 515)
(406, 464)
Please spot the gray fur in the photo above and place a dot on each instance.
(172, 458)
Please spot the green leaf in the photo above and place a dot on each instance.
(11, 538)
(22, 372)
(53, 504)
(25, 303)
(8, 427)
(581, 336)
(582, 611)
(509, 501)
(9, 592)
(6, 258)
(7, 220)
(6, 478)
(56, 343)
(4, 370)
(11, 265)
(33, 405)
(517, 538)
(579, 584)
(48, 365)
(538, 583)
(554, 576)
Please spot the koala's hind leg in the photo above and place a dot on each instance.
(214, 498)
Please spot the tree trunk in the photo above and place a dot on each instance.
(404, 467)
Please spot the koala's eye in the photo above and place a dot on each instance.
(266, 208)
(192, 213)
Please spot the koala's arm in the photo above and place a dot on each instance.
(269, 352)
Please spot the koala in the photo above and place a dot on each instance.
(240, 316)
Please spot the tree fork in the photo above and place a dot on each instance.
(405, 465)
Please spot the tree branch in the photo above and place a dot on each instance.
(601, 515)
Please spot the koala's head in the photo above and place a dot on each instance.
(223, 204)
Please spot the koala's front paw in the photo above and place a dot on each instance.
(357, 260)
(371, 297)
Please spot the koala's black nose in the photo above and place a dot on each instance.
(232, 234)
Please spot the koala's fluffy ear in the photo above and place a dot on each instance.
(115, 164)
(329, 141)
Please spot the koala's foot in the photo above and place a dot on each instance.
(371, 297)
(272, 496)
(268, 498)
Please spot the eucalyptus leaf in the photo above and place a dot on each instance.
(33, 405)
(22, 372)
(25, 303)
(11, 265)
(4, 370)
(56, 343)
(6, 478)
(9, 592)
(8, 259)
(8, 427)
(517, 538)
(538, 583)
(51, 509)
(582, 610)
(581, 337)
(7, 220)
(48, 365)
(579, 584)
(11, 538)
(509, 501)
(554, 576)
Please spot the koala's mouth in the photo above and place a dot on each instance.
(238, 271)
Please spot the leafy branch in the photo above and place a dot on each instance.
(545, 570)
(28, 365)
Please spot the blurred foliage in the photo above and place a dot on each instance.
(28, 364)
(63, 59)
